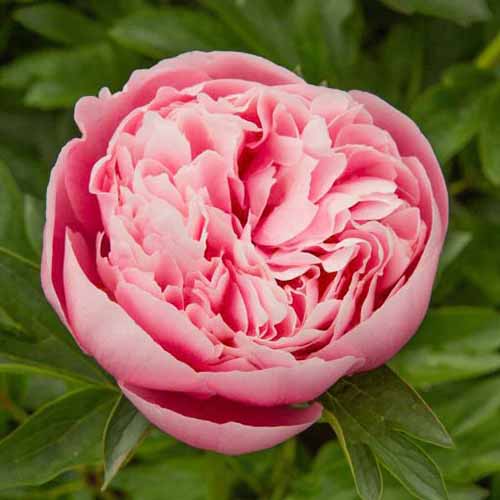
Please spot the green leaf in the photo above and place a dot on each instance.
(456, 491)
(480, 261)
(460, 11)
(466, 406)
(169, 31)
(124, 431)
(59, 23)
(328, 36)
(402, 64)
(110, 10)
(471, 411)
(40, 136)
(450, 113)
(477, 456)
(258, 26)
(34, 219)
(61, 435)
(495, 488)
(221, 478)
(489, 138)
(453, 343)
(39, 390)
(26, 168)
(185, 477)
(105, 65)
(12, 232)
(379, 412)
(23, 70)
(49, 356)
(329, 478)
(23, 293)
(455, 243)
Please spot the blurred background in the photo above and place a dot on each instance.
(437, 60)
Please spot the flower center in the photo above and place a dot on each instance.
(279, 216)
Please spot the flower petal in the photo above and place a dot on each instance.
(220, 425)
(118, 344)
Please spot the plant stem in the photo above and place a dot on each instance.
(490, 56)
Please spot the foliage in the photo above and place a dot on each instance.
(66, 431)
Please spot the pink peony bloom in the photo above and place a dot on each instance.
(228, 241)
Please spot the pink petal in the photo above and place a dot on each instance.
(410, 141)
(209, 170)
(304, 381)
(327, 171)
(390, 327)
(405, 223)
(369, 135)
(220, 425)
(166, 325)
(316, 138)
(285, 222)
(118, 344)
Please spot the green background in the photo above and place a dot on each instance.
(437, 60)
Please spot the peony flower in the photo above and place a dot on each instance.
(228, 241)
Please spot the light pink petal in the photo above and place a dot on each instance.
(390, 327)
(410, 142)
(220, 425)
(304, 381)
(362, 186)
(119, 345)
(375, 209)
(405, 223)
(369, 135)
(316, 138)
(330, 104)
(323, 314)
(59, 214)
(328, 170)
(209, 170)
(285, 222)
(180, 71)
(166, 325)
(258, 187)
(164, 142)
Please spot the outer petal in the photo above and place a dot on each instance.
(218, 424)
(120, 346)
(410, 142)
(302, 382)
(54, 234)
(219, 65)
(388, 329)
